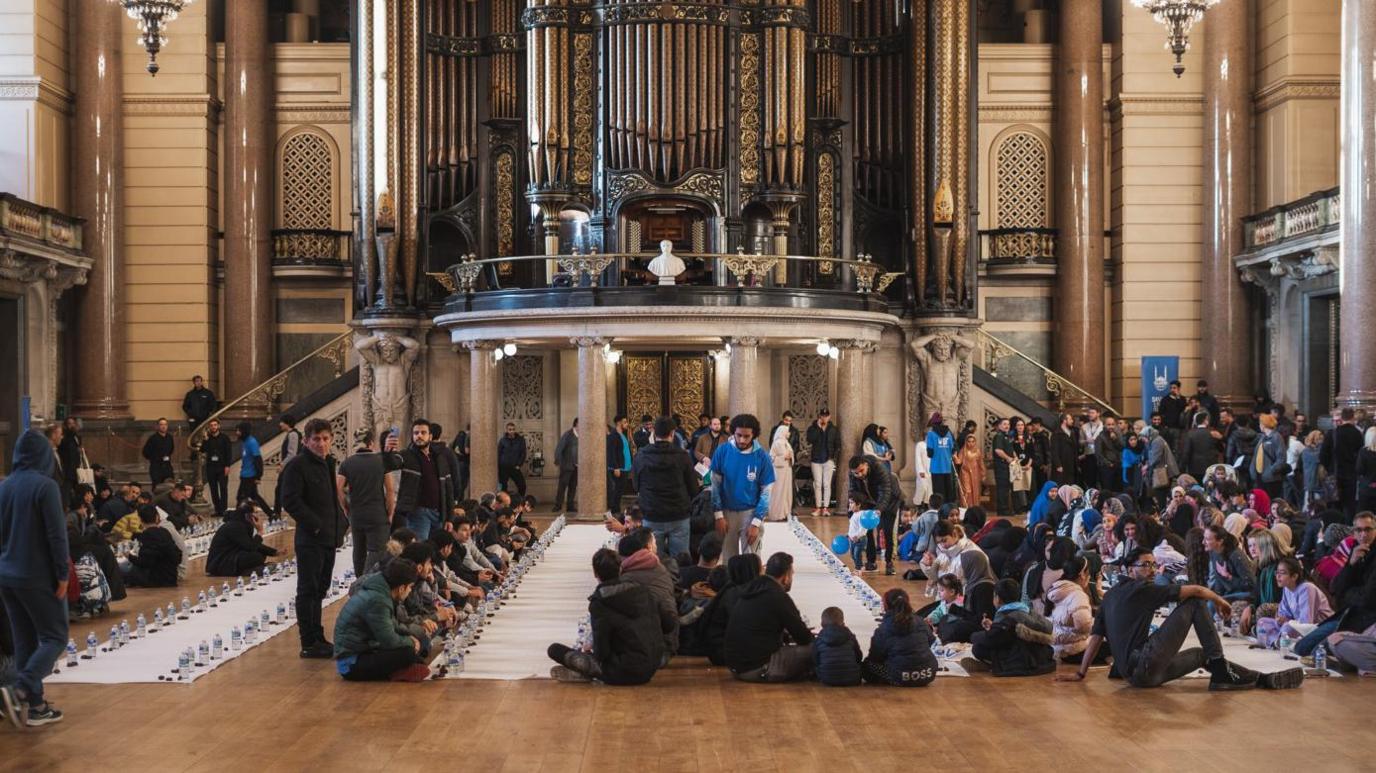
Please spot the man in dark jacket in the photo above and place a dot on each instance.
(1110, 455)
(451, 460)
(1338, 455)
(237, 547)
(117, 506)
(59, 475)
(665, 485)
(645, 434)
(618, 463)
(1198, 449)
(1065, 452)
(1172, 406)
(463, 453)
(824, 444)
(216, 450)
(69, 452)
(766, 612)
(511, 454)
(1039, 448)
(176, 502)
(157, 449)
(1242, 442)
(426, 493)
(1207, 402)
(198, 404)
(880, 484)
(33, 576)
(308, 496)
(627, 647)
(566, 459)
(155, 563)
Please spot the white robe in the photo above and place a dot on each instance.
(922, 476)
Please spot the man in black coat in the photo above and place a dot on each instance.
(1198, 449)
(1172, 407)
(880, 484)
(1338, 455)
(1207, 402)
(665, 484)
(1064, 452)
(157, 449)
(198, 403)
(753, 645)
(218, 454)
(237, 547)
(511, 454)
(425, 496)
(308, 496)
(69, 453)
(627, 646)
(566, 459)
(155, 563)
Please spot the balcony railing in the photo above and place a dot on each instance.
(45, 224)
(310, 247)
(1314, 214)
(1018, 246)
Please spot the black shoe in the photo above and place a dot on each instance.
(888, 570)
(1229, 677)
(44, 715)
(318, 651)
(1288, 679)
(13, 707)
(870, 567)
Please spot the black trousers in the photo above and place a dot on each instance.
(159, 472)
(884, 534)
(944, 483)
(461, 483)
(315, 568)
(616, 488)
(370, 539)
(379, 665)
(568, 489)
(218, 483)
(1003, 488)
(506, 473)
(248, 489)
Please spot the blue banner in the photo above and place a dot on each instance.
(1157, 375)
(25, 408)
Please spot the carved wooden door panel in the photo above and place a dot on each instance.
(664, 384)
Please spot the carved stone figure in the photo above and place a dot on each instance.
(942, 358)
(390, 358)
(667, 265)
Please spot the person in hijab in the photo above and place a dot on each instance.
(1040, 505)
(1236, 524)
(1032, 550)
(1131, 462)
(781, 495)
(1001, 552)
(963, 620)
(1179, 513)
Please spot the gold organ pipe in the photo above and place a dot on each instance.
(565, 105)
(694, 97)
(959, 174)
(676, 61)
(917, 187)
(640, 98)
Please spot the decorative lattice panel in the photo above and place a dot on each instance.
(307, 175)
(1022, 192)
(523, 388)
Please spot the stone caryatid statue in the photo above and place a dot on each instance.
(667, 265)
(942, 357)
(390, 358)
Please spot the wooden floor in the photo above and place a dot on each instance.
(269, 710)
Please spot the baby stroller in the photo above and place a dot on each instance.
(803, 495)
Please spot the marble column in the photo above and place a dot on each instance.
(1224, 322)
(1357, 362)
(1078, 343)
(483, 388)
(249, 138)
(741, 394)
(97, 172)
(592, 425)
(848, 412)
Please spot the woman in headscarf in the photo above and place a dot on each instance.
(1040, 505)
(1179, 513)
(1237, 523)
(1032, 550)
(1133, 452)
(969, 461)
(977, 602)
(781, 452)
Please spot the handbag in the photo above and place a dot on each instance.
(1160, 478)
(85, 476)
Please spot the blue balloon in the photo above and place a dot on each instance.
(840, 544)
(869, 519)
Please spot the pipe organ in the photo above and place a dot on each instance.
(832, 127)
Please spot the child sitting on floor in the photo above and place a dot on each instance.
(1302, 605)
(836, 652)
(948, 592)
(1016, 642)
(901, 648)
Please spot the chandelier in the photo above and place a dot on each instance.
(1178, 17)
(152, 17)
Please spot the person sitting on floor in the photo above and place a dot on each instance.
(627, 643)
(836, 652)
(1302, 605)
(948, 590)
(901, 647)
(155, 563)
(741, 570)
(948, 542)
(709, 558)
(1147, 658)
(640, 564)
(237, 547)
(1071, 616)
(754, 647)
(128, 526)
(370, 643)
(1016, 641)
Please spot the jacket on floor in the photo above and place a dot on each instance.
(626, 637)
(836, 657)
(763, 615)
(33, 530)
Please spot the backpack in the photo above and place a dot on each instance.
(92, 588)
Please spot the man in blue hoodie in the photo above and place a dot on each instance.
(742, 476)
(33, 577)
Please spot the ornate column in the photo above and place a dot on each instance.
(1224, 323)
(365, 225)
(742, 396)
(592, 425)
(848, 411)
(1078, 346)
(249, 139)
(483, 389)
(1357, 366)
(98, 196)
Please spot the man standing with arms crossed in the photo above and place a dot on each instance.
(742, 475)
(309, 496)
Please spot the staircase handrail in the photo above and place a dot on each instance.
(996, 349)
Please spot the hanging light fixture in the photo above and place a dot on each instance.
(1178, 17)
(152, 17)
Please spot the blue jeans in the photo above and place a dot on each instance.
(857, 552)
(1306, 646)
(421, 521)
(38, 620)
(671, 536)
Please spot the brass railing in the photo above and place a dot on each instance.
(994, 350)
(738, 269)
(1313, 213)
(1013, 246)
(310, 246)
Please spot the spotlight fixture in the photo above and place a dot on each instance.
(509, 349)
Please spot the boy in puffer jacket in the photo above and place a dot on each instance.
(1017, 642)
(836, 652)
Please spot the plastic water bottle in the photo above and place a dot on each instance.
(281, 613)
(158, 618)
(114, 638)
(123, 632)
(264, 620)
(186, 607)
(141, 625)
(217, 647)
(239, 586)
(249, 633)
(171, 612)
(454, 659)
(1321, 660)
(71, 653)
(214, 597)
(200, 602)
(203, 653)
(291, 609)
(184, 666)
(236, 639)
(92, 645)
(224, 589)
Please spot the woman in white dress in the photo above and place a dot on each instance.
(781, 495)
(922, 477)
